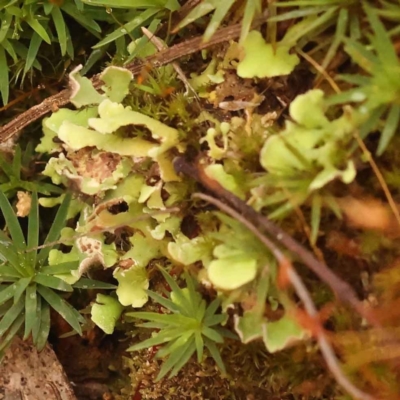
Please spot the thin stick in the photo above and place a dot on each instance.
(342, 289)
(159, 59)
(233, 213)
(324, 345)
(320, 69)
(301, 290)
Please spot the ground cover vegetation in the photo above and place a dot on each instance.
(215, 214)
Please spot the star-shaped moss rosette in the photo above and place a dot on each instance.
(189, 326)
(29, 286)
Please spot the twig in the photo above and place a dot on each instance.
(301, 290)
(324, 345)
(342, 289)
(157, 60)
(320, 69)
(233, 213)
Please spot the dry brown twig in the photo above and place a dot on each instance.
(301, 290)
(159, 59)
(342, 289)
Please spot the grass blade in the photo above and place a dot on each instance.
(165, 335)
(381, 41)
(27, 156)
(212, 348)
(8, 47)
(141, 43)
(44, 330)
(315, 217)
(212, 334)
(59, 24)
(298, 13)
(199, 342)
(59, 269)
(174, 345)
(212, 308)
(4, 79)
(9, 271)
(47, 188)
(53, 282)
(309, 25)
(252, 6)
(42, 188)
(34, 45)
(168, 304)
(340, 32)
(39, 29)
(170, 319)
(359, 53)
(33, 230)
(95, 55)
(15, 327)
(128, 27)
(70, 46)
(20, 287)
(372, 122)
(5, 166)
(174, 362)
(220, 12)
(30, 309)
(11, 315)
(16, 164)
(355, 79)
(6, 21)
(58, 224)
(22, 52)
(126, 3)
(184, 357)
(182, 300)
(8, 252)
(7, 293)
(80, 17)
(199, 11)
(85, 283)
(214, 319)
(391, 125)
(12, 223)
(36, 324)
(70, 315)
(152, 325)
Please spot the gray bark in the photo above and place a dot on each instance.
(26, 374)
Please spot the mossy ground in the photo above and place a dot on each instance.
(361, 247)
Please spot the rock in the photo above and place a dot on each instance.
(26, 374)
